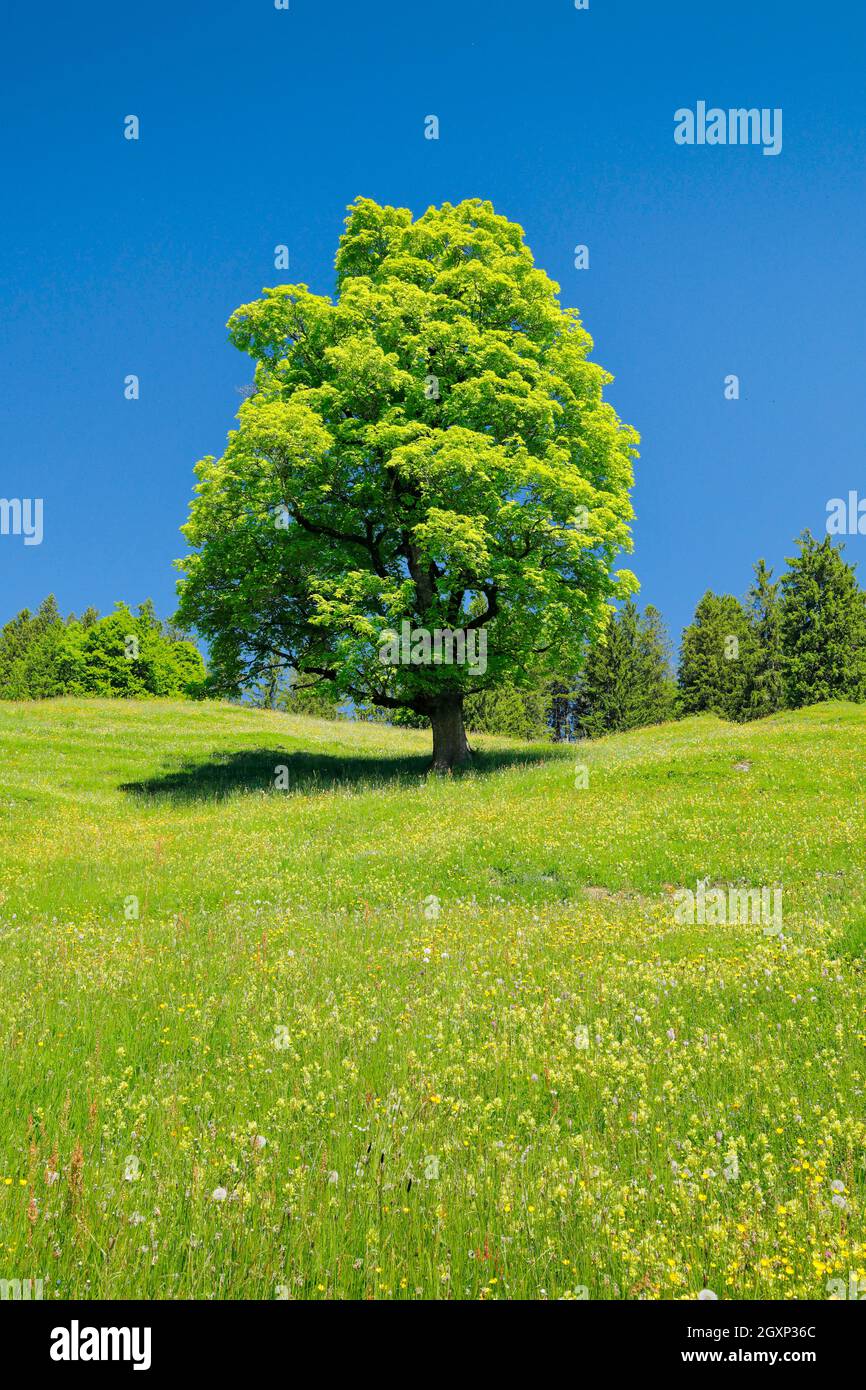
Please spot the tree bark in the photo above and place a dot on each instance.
(450, 748)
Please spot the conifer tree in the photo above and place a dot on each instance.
(29, 653)
(766, 692)
(717, 658)
(626, 681)
(823, 625)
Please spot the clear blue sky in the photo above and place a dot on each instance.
(259, 126)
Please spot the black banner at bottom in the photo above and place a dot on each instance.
(83, 1339)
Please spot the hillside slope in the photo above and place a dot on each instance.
(484, 1054)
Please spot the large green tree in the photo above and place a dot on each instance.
(432, 447)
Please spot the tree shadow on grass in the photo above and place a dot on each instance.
(275, 770)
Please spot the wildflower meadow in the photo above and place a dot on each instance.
(384, 1035)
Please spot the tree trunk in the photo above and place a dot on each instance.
(450, 748)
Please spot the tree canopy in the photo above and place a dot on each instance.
(430, 447)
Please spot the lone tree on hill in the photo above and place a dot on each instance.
(431, 448)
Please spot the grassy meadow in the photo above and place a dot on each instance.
(385, 1035)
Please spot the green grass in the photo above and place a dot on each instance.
(432, 1127)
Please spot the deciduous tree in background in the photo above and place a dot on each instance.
(515, 711)
(433, 447)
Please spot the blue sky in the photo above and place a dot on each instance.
(259, 126)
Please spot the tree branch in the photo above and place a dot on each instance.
(367, 542)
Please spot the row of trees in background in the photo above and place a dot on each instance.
(793, 641)
(43, 654)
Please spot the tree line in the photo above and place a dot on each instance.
(43, 655)
(792, 641)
